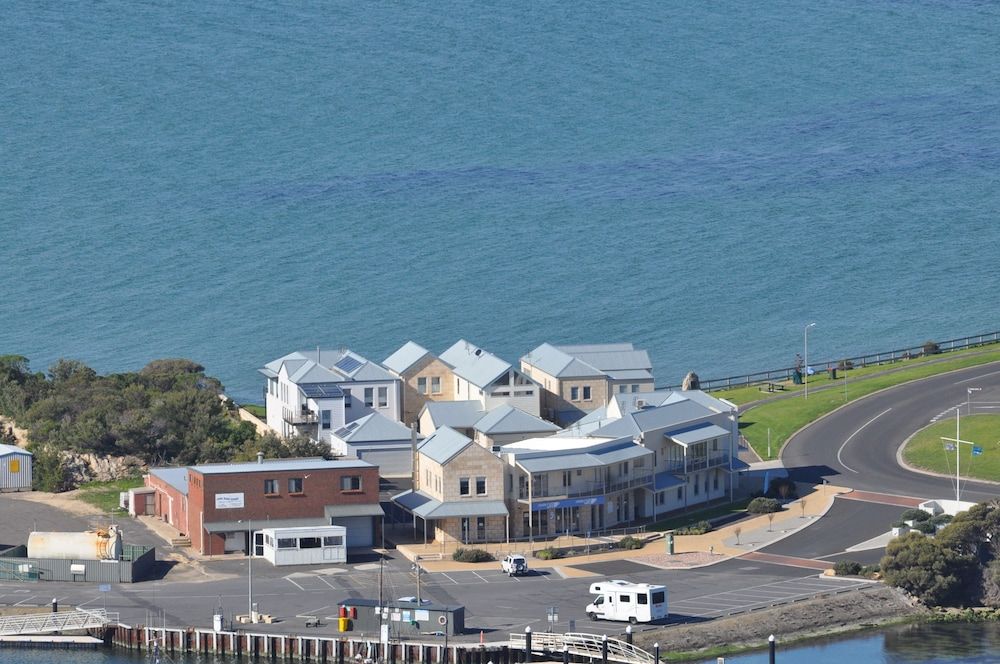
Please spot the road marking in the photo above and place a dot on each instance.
(979, 377)
(445, 575)
(332, 587)
(25, 600)
(839, 459)
(481, 577)
(294, 584)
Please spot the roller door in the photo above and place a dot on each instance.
(360, 530)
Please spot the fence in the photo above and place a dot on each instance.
(872, 359)
(135, 565)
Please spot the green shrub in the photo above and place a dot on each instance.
(471, 556)
(781, 488)
(699, 528)
(548, 553)
(915, 515)
(763, 506)
(931, 348)
(941, 519)
(899, 524)
(628, 542)
(869, 570)
(925, 527)
(847, 568)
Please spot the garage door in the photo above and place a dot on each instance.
(360, 530)
(391, 463)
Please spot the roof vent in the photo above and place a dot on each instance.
(260, 457)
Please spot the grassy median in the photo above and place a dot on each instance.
(927, 449)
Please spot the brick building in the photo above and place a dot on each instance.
(217, 505)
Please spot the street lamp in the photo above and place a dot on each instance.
(250, 615)
(805, 356)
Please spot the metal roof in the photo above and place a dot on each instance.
(602, 453)
(474, 364)
(408, 354)
(272, 465)
(709, 401)
(576, 349)
(666, 480)
(374, 427)
(443, 444)
(696, 434)
(629, 374)
(13, 449)
(320, 366)
(508, 419)
(425, 507)
(558, 363)
(173, 476)
(236, 525)
(455, 414)
(364, 509)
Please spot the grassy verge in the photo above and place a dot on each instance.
(255, 410)
(926, 449)
(104, 495)
(783, 417)
(706, 514)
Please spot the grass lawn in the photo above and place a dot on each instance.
(693, 517)
(926, 449)
(786, 416)
(254, 409)
(105, 494)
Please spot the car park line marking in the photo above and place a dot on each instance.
(294, 584)
(332, 587)
(445, 575)
(856, 432)
(25, 600)
(480, 576)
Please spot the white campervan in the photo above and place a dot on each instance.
(634, 602)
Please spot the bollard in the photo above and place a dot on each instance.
(670, 543)
(770, 648)
(656, 653)
(55, 605)
(565, 654)
(604, 649)
(527, 644)
(628, 634)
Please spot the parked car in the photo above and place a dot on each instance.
(514, 563)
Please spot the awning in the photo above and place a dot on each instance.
(365, 509)
(426, 507)
(666, 480)
(697, 434)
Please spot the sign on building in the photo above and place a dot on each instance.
(228, 501)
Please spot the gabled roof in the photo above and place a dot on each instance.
(558, 363)
(474, 364)
(508, 419)
(408, 354)
(374, 427)
(618, 361)
(443, 444)
(175, 477)
(271, 465)
(323, 366)
(629, 402)
(455, 414)
(13, 449)
(426, 507)
(673, 413)
(568, 454)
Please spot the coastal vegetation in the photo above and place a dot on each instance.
(169, 412)
(928, 451)
(957, 567)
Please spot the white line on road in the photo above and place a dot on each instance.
(979, 377)
(481, 577)
(25, 600)
(294, 584)
(839, 459)
(450, 579)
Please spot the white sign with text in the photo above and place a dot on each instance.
(228, 501)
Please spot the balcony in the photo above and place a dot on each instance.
(710, 461)
(305, 416)
(586, 489)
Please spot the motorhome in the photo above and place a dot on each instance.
(621, 600)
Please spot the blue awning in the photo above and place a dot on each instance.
(666, 480)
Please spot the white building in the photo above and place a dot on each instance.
(15, 468)
(315, 393)
(482, 376)
(305, 546)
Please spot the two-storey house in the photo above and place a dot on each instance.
(481, 376)
(424, 378)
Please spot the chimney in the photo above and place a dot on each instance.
(260, 457)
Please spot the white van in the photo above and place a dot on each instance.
(621, 600)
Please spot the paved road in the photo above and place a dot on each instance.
(857, 445)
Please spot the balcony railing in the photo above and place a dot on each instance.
(301, 417)
(585, 489)
(710, 461)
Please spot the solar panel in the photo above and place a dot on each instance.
(321, 390)
(347, 364)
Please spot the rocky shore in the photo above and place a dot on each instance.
(821, 616)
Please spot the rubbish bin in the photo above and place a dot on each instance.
(343, 624)
(797, 377)
(833, 373)
(670, 543)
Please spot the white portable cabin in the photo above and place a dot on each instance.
(621, 600)
(15, 468)
(310, 545)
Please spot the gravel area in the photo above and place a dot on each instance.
(666, 561)
(811, 618)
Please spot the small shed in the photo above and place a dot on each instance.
(309, 545)
(15, 468)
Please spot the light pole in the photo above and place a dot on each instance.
(968, 398)
(805, 358)
(250, 616)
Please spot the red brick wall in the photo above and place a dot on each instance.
(177, 516)
(319, 488)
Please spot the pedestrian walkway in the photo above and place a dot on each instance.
(730, 541)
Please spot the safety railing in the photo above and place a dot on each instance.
(40, 623)
(582, 645)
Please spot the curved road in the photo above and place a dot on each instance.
(856, 446)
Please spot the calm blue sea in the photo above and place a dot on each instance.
(229, 182)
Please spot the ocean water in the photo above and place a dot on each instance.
(229, 182)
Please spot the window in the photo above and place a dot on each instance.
(642, 599)
(659, 597)
(715, 481)
(567, 478)
(295, 485)
(435, 384)
(661, 497)
(463, 486)
(625, 599)
(622, 388)
(625, 468)
(270, 487)
(481, 527)
(427, 474)
(635, 389)
(310, 542)
(347, 398)
(586, 392)
(422, 384)
(680, 493)
(383, 397)
(324, 417)
(369, 396)
(456, 385)
(480, 486)
(696, 485)
(286, 542)
(350, 483)
(574, 394)
(333, 540)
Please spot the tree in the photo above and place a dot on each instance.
(935, 574)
